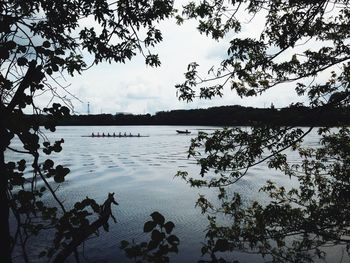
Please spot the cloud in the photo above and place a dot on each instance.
(134, 87)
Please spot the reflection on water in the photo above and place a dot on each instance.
(141, 173)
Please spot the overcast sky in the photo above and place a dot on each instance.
(135, 88)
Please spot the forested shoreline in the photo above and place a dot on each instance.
(218, 116)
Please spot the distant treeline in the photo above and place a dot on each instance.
(221, 116)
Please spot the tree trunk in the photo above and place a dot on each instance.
(5, 246)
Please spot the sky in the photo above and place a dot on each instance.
(136, 88)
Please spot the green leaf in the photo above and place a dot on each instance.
(157, 236)
(54, 67)
(11, 44)
(59, 178)
(221, 245)
(173, 240)
(49, 71)
(158, 218)
(48, 164)
(21, 165)
(22, 61)
(22, 49)
(46, 44)
(149, 226)
(152, 245)
(169, 226)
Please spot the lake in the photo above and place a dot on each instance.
(140, 171)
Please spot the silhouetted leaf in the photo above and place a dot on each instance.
(22, 61)
(173, 240)
(157, 236)
(21, 165)
(152, 244)
(149, 226)
(46, 44)
(48, 164)
(221, 245)
(59, 178)
(158, 218)
(169, 226)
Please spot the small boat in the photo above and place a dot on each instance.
(183, 132)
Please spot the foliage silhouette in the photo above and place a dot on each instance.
(301, 44)
(41, 40)
(161, 243)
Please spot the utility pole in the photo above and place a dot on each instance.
(88, 108)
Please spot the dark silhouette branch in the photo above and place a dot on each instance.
(22, 87)
(82, 234)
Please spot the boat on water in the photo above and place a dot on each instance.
(183, 132)
(107, 135)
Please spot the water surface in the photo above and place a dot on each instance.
(140, 171)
